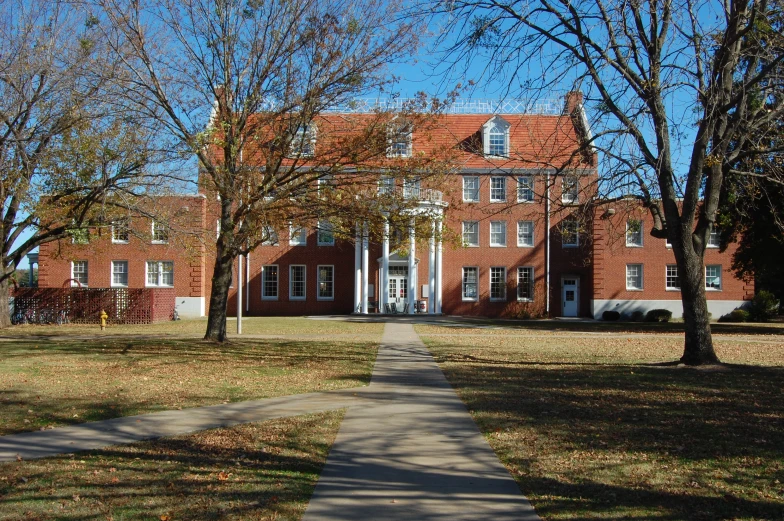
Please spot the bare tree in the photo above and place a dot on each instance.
(63, 155)
(676, 89)
(242, 85)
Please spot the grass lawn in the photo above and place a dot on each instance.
(71, 374)
(255, 471)
(592, 426)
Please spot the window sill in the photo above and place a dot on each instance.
(634, 245)
(672, 289)
(634, 289)
(120, 242)
(297, 299)
(469, 299)
(498, 200)
(269, 298)
(525, 299)
(326, 244)
(498, 245)
(470, 245)
(713, 290)
(570, 245)
(497, 300)
(119, 286)
(525, 245)
(471, 200)
(325, 299)
(160, 242)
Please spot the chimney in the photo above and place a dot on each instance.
(573, 101)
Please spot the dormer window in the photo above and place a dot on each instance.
(495, 137)
(399, 139)
(303, 144)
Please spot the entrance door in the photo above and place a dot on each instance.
(570, 296)
(398, 286)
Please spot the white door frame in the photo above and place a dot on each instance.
(576, 300)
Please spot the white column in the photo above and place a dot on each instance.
(384, 289)
(439, 268)
(365, 269)
(239, 294)
(412, 282)
(431, 264)
(357, 271)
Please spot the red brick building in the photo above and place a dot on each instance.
(528, 240)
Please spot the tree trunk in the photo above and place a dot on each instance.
(698, 347)
(5, 310)
(219, 298)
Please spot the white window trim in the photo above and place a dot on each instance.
(300, 241)
(318, 282)
(666, 287)
(304, 282)
(503, 125)
(533, 235)
(533, 279)
(496, 245)
(319, 231)
(264, 280)
(159, 283)
(120, 241)
(462, 284)
(575, 244)
(395, 131)
(531, 200)
(493, 199)
(478, 189)
(642, 240)
(568, 197)
(127, 274)
(309, 133)
(462, 230)
(642, 277)
(721, 277)
(708, 244)
(153, 236)
(490, 287)
(75, 284)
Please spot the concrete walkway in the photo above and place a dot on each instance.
(412, 451)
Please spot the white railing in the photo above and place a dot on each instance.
(459, 106)
(420, 194)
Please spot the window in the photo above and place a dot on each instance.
(160, 273)
(497, 233)
(713, 277)
(496, 141)
(470, 278)
(79, 274)
(324, 184)
(525, 189)
(470, 233)
(411, 188)
(297, 282)
(121, 231)
(497, 189)
(714, 238)
(571, 186)
(120, 274)
(570, 237)
(497, 283)
(298, 235)
(471, 188)
(269, 282)
(160, 234)
(634, 233)
(525, 283)
(525, 233)
(269, 236)
(303, 143)
(399, 137)
(386, 185)
(326, 282)
(79, 235)
(672, 280)
(634, 276)
(325, 235)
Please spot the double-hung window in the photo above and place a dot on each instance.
(470, 233)
(634, 276)
(498, 283)
(121, 231)
(79, 274)
(498, 233)
(470, 280)
(120, 274)
(496, 141)
(270, 236)
(160, 274)
(714, 238)
(570, 237)
(325, 235)
(634, 233)
(297, 282)
(326, 283)
(525, 283)
(525, 234)
(298, 235)
(160, 233)
(386, 185)
(672, 281)
(497, 189)
(269, 282)
(571, 188)
(471, 188)
(713, 277)
(525, 189)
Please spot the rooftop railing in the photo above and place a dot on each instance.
(552, 107)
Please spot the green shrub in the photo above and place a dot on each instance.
(638, 316)
(764, 306)
(658, 315)
(736, 315)
(611, 315)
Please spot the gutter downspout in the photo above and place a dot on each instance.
(547, 248)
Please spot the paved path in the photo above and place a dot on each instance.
(129, 429)
(412, 451)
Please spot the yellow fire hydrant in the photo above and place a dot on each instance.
(103, 316)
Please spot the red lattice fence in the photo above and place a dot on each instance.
(84, 305)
